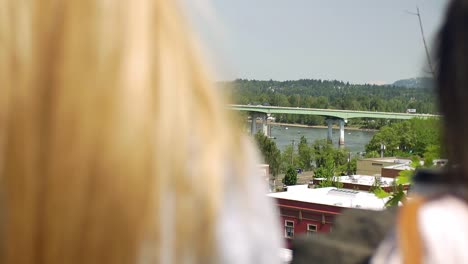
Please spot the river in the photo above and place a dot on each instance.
(355, 140)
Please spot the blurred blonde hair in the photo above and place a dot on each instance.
(106, 110)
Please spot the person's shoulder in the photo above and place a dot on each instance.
(445, 216)
(443, 224)
(446, 208)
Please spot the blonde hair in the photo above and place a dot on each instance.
(105, 111)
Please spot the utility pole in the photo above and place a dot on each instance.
(382, 149)
(292, 152)
(349, 165)
(428, 56)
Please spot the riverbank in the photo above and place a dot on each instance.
(334, 127)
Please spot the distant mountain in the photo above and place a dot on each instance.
(420, 82)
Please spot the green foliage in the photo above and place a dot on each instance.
(330, 182)
(398, 195)
(372, 154)
(376, 188)
(338, 184)
(326, 156)
(289, 158)
(404, 177)
(381, 193)
(330, 162)
(332, 95)
(432, 152)
(415, 162)
(429, 161)
(407, 138)
(305, 154)
(270, 152)
(323, 151)
(353, 166)
(290, 178)
(326, 169)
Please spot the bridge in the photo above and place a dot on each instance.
(331, 115)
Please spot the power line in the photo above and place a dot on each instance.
(428, 56)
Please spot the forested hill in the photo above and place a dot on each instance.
(421, 82)
(332, 94)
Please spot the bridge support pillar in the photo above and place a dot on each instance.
(265, 126)
(330, 130)
(341, 141)
(253, 125)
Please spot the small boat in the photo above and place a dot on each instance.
(286, 128)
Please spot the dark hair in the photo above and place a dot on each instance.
(452, 87)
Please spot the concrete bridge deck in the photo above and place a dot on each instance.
(331, 113)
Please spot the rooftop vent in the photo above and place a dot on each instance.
(343, 192)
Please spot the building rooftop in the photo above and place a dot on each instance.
(332, 196)
(399, 167)
(407, 166)
(392, 160)
(363, 180)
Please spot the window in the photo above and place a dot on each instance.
(311, 229)
(288, 229)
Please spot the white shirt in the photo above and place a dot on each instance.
(443, 227)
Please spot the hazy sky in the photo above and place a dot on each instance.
(360, 41)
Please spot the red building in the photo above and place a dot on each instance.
(394, 170)
(309, 211)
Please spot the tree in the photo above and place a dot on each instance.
(326, 170)
(407, 138)
(289, 159)
(305, 154)
(340, 158)
(352, 166)
(386, 136)
(329, 162)
(321, 149)
(372, 154)
(324, 151)
(432, 152)
(270, 152)
(291, 176)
